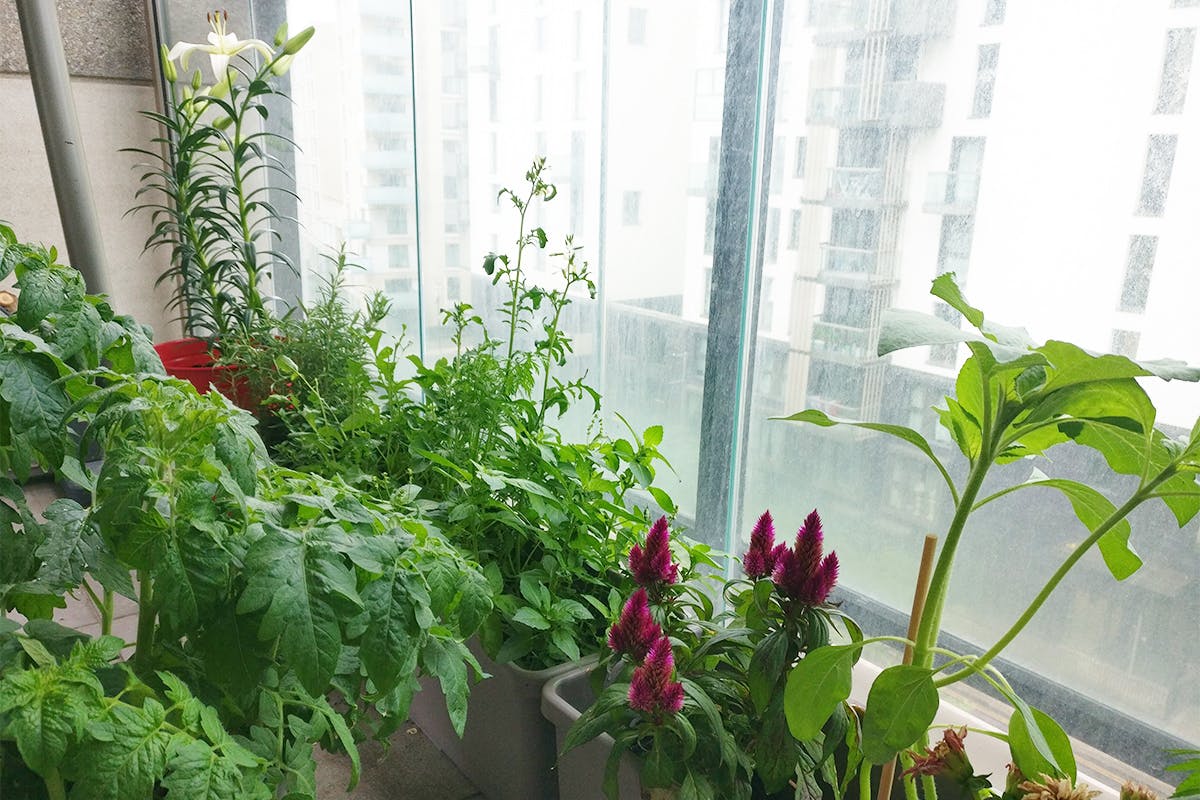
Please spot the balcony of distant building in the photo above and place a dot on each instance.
(898, 104)
(952, 193)
(846, 20)
(852, 267)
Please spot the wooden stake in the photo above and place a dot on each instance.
(888, 775)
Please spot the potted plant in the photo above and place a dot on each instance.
(548, 519)
(278, 611)
(1014, 399)
(207, 197)
(696, 695)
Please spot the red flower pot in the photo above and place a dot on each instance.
(193, 360)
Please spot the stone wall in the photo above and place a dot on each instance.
(112, 64)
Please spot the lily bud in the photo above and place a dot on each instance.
(168, 66)
(293, 45)
(281, 65)
(196, 81)
(222, 122)
(281, 35)
(220, 88)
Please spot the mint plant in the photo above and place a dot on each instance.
(1014, 399)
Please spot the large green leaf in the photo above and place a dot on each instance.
(194, 770)
(816, 687)
(391, 643)
(45, 712)
(444, 659)
(899, 431)
(1025, 752)
(900, 707)
(297, 582)
(1093, 508)
(766, 666)
(126, 754)
(37, 403)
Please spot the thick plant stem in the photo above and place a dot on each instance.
(106, 614)
(55, 789)
(864, 782)
(1117, 516)
(145, 626)
(939, 584)
(908, 781)
(928, 788)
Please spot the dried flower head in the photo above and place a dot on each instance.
(1048, 788)
(947, 758)
(1136, 791)
(801, 573)
(652, 690)
(759, 560)
(652, 567)
(635, 631)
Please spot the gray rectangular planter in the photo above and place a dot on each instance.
(581, 771)
(507, 749)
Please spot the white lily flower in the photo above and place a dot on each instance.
(221, 47)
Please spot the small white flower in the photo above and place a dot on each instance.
(221, 47)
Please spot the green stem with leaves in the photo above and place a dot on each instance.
(1136, 499)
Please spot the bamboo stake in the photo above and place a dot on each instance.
(888, 775)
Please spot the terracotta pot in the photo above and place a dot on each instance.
(193, 360)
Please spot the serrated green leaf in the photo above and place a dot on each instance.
(126, 757)
(292, 581)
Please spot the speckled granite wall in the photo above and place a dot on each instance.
(110, 58)
(103, 39)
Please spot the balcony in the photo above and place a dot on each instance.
(855, 187)
(841, 343)
(847, 20)
(389, 195)
(952, 193)
(904, 104)
(852, 267)
(380, 122)
(388, 159)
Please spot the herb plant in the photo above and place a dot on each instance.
(1014, 399)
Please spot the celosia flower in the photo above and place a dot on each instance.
(636, 630)
(221, 47)
(651, 690)
(800, 573)
(653, 566)
(1056, 789)
(759, 560)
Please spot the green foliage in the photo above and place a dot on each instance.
(1014, 399)
(549, 518)
(58, 330)
(278, 611)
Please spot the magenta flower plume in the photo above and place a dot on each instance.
(636, 630)
(653, 566)
(651, 689)
(759, 560)
(801, 573)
